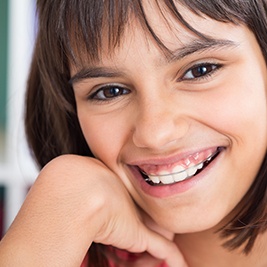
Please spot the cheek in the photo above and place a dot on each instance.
(238, 112)
(242, 117)
(238, 109)
(105, 135)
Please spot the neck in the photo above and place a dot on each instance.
(205, 249)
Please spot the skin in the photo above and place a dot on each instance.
(163, 114)
(62, 216)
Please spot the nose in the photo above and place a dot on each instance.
(159, 124)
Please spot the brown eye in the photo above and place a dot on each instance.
(112, 92)
(200, 71)
(109, 92)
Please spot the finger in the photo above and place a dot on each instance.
(161, 248)
(166, 250)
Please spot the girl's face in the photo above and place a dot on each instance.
(185, 133)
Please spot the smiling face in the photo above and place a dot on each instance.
(185, 133)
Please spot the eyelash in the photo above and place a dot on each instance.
(207, 67)
(205, 70)
(116, 90)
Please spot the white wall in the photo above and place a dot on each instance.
(18, 171)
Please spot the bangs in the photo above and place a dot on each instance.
(88, 26)
(84, 28)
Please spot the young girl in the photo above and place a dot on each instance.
(158, 110)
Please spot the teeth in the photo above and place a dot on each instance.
(178, 169)
(154, 179)
(178, 177)
(191, 171)
(167, 179)
(200, 166)
(179, 173)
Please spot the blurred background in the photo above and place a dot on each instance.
(17, 170)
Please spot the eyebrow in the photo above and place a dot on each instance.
(200, 45)
(94, 72)
(195, 46)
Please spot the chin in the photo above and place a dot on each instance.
(199, 222)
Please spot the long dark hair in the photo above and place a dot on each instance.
(75, 31)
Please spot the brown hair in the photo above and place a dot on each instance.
(69, 26)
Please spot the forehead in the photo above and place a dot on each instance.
(165, 35)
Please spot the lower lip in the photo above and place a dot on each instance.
(164, 191)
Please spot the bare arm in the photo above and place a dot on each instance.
(74, 202)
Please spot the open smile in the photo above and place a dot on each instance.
(179, 172)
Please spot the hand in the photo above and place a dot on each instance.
(146, 259)
(126, 227)
(75, 201)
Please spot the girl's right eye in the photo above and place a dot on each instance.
(108, 92)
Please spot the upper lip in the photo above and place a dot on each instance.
(165, 160)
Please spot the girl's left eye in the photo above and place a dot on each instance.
(200, 71)
(108, 92)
